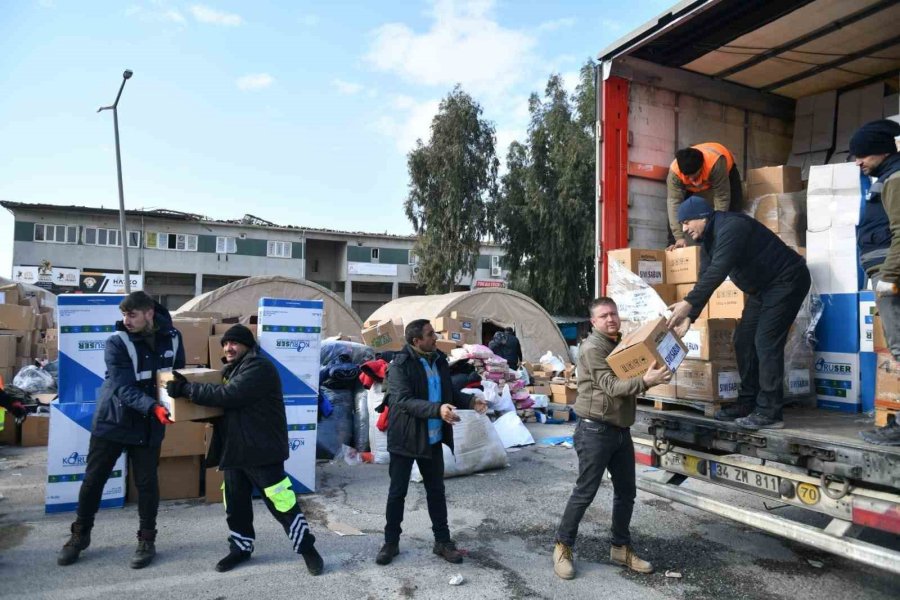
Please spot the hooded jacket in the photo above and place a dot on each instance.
(253, 430)
(410, 409)
(129, 390)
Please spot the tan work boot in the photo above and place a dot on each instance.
(563, 563)
(624, 555)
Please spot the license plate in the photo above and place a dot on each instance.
(745, 478)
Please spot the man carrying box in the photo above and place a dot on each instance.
(878, 238)
(776, 280)
(606, 408)
(129, 419)
(250, 444)
(707, 169)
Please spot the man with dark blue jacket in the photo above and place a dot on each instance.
(129, 419)
(776, 281)
(422, 407)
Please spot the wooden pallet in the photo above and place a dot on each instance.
(708, 409)
(881, 416)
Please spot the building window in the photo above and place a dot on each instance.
(183, 242)
(278, 249)
(495, 266)
(57, 234)
(375, 253)
(134, 239)
(226, 245)
(98, 236)
(413, 259)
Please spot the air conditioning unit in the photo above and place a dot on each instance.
(415, 270)
(496, 271)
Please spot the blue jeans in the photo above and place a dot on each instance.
(601, 447)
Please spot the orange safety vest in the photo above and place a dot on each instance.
(711, 153)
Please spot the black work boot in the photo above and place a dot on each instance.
(447, 550)
(387, 553)
(733, 411)
(78, 541)
(146, 549)
(314, 563)
(235, 557)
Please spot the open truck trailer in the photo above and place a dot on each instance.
(731, 71)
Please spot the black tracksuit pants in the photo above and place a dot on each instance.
(279, 498)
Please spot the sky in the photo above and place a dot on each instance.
(300, 113)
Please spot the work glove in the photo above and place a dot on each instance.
(886, 288)
(162, 415)
(178, 387)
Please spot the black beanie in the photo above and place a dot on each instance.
(240, 334)
(876, 137)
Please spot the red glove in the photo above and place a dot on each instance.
(162, 415)
(17, 409)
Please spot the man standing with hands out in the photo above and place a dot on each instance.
(422, 409)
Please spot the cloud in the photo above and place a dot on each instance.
(464, 44)
(156, 13)
(205, 14)
(556, 24)
(412, 123)
(257, 81)
(347, 88)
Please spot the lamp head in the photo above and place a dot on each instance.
(127, 74)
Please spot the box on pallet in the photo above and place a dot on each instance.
(710, 381)
(887, 381)
(681, 292)
(837, 380)
(711, 339)
(652, 342)
(649, 265)
(666, 390)
(783, 213)
(182, 409)
(773, 180)
(195, 338)
(683, 265)
(386, 335)
(727, 302)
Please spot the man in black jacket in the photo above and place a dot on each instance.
(506, 345)
(129, 419)
(422, 403)
(250, 444)
(776, 280)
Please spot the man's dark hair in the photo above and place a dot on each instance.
(689, 160)
(136, 301)
(414, 330)
(601, 301)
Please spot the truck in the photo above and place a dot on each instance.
(732, 71)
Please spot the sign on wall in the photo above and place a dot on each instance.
(108, 283)
(56, 276)
(359, 268)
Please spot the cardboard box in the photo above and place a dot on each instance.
(184, 439)
(452, 329)
(16, 317)
(649, 265)
(773, 180)
(561, 415)
(221, 328)
(387, 335)
(182, 409)
(681, 292)
(7, 374)
(665, 390)
(195, 337)
(541, 387)
(216, 352)
(24, 341)
(782, 213)
(814, 123)
(711, 339)
(887, 381)
(36, 430)
(563, 393)
(710, 381)
(727, 302)
(10, 293)
(447, 346)
(798, 381)
(879, 342)
(666, 293)
(837, 380)
(652, 342)
(683, 265)
(7, 350)
(466, 322)
(179, 477)
(215, 479)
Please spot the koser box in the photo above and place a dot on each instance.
(86, 321)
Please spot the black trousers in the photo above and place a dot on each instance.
(279, 498)
(760, 338)
(102, 456)
(432, 471)
(601, 447)
(736, 205)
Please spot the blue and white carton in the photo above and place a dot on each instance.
(836, 376)
(86, 321)
(289, 333)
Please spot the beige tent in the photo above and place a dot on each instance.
(491, 308)
(242, 298)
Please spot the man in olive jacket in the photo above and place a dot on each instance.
(250, 444)
(422, 403)
(605, 406)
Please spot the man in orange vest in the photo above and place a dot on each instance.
(706, 170)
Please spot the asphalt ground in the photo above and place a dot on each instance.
(504, 521)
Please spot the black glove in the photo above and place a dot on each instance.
(178, 387)
(17, 409)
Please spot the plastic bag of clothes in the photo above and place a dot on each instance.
(340, 372)
(512, 431)
(636, 300)
(356, 353)
(34, 380)
(337, 429)
(477, 447)
(377, 438)
(361, 419)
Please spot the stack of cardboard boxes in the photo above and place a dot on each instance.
(384, 336)
(180, 463)
(560, 387)
(27, 330)
(453, 331)
(776, 197)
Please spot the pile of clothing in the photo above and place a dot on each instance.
(343, 408)
(480, 364)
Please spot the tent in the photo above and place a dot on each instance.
(492, 308)
(242, 298)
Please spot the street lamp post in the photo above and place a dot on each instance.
(123, 234)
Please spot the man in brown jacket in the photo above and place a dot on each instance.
(605, 406)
